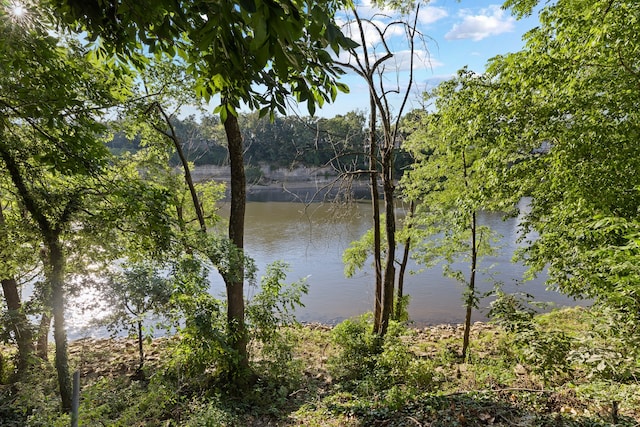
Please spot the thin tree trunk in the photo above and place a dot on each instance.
(472, 287)
(56, 258)
(51, 239)
(384, 291)
(234, 281)
(472, 276)
(18, 320)
(375, 203)
(173, 136)
(42, 345)
(390, 230)
(403, 265)
(140, 346)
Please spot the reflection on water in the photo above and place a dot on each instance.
(312, 238)
(84, 312)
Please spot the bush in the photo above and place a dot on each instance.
(512, 311)
(547, 353)
(359, 346)
(369, 364)
(269, 316)
(610, 348)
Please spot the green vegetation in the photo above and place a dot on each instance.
(349, 376)
(556, 123)
(449, 184)
(281, 142)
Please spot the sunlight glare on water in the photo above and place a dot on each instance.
(84, 309)
(312, 239)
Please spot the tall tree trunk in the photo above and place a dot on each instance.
(403, 265)
(140, 346)
(375, 203)
(55, 275)
(18, 319)
(56, 258)
(472, 286)
(234, 281)
(42, 345)
(390, 231)
(18, 323)
(469, 300)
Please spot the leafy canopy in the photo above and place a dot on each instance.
(571, 129)
(252, 51)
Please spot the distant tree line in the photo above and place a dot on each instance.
(286, 141)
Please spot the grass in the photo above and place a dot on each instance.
(339, 377)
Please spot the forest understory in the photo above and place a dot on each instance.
(337, 376)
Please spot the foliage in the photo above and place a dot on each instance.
(547, 353)
(511, 311)
(278, 48)
(273, 307)
(204, 356)
(285, 141)
(601, 346)
(357, 253)
(200, 320)
(449, 182)
(256, 53)
(496, 387)
(402, 309)
(565, 108)
(309, 141)
(449, 178)
(133, 293)
(370, 365)
(270, 317)
(360, 346)
(53, 153)
(609, 348)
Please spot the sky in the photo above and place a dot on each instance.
(457, 33)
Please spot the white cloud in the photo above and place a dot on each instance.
(366, 8)
(430, 14)
(421, 60)
(490, 22)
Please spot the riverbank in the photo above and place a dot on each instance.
(415, 379)
(300, 184)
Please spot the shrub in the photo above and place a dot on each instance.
(369, 364)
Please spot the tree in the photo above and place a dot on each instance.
(256, 52)
(449, 183)
(569, 140)
(133, 294)
(51, 146)
(13, 260)
(288, 141)
(370, 65)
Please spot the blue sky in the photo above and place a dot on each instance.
(457, 34)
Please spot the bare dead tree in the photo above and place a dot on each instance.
(381, 145)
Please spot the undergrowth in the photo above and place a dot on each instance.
(547, 371)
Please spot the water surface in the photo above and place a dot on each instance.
(311, 239)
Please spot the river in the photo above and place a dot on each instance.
(311, 239)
